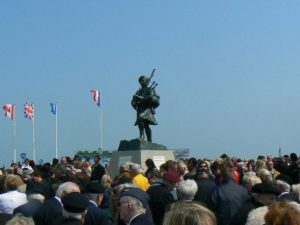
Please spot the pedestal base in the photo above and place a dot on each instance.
(138, 144)
(120, 157)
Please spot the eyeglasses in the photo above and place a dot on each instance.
(119, 203)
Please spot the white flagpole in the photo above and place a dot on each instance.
(56, 151)
(33, 139)
(101, 129)
(15, 148)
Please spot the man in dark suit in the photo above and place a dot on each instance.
(262, 194)
(97, 170)
(95, 215)
(52, 210)
(161, 195)
(205, 186)
(228, 196)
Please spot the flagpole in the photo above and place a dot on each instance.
(15, 148)
(56, 151)
(33, 140)
(101, 129)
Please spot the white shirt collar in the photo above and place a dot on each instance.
(59, 200)
(94, 203)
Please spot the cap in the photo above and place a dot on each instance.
(264, 188)
(75, 202)
(136, 193)
(95, 188)
(171, 176)
(284, 178)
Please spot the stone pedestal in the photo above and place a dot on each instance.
(138, 154)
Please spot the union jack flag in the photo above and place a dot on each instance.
(9, 111)
(96, 96)
(29, 110)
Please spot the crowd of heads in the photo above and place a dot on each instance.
(269, 181)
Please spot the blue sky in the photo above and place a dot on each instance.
(228, 74)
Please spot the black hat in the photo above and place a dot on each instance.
(285, 179)
(95, 188)
(264, 188)
(75, 202)
(136, 193)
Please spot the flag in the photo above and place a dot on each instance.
(53, 108)
(96, 96)
(29, 110)
(9, 111)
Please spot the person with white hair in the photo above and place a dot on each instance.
(283, 185)
(296, 190)
(186, 190)
(257, 216)
(52, 210)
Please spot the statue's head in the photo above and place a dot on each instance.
(143, 80)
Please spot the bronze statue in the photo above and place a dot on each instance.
(145, 101)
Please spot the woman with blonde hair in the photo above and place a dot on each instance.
(265, 176)
(106, 182)
(249, 180)
(189, 213)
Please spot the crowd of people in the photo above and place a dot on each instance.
(225, 191)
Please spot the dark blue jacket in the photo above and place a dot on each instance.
(29, 209)
(96, 216)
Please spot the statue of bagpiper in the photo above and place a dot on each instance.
(145, 101)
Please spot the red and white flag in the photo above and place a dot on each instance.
(10, 111)
(96, 96)
(29, 110)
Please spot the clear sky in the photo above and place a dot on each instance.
(228, 74)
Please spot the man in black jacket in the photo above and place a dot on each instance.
(205, 186)
(97, 170)
(95, 215)
(263, 194)
(161, 195)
